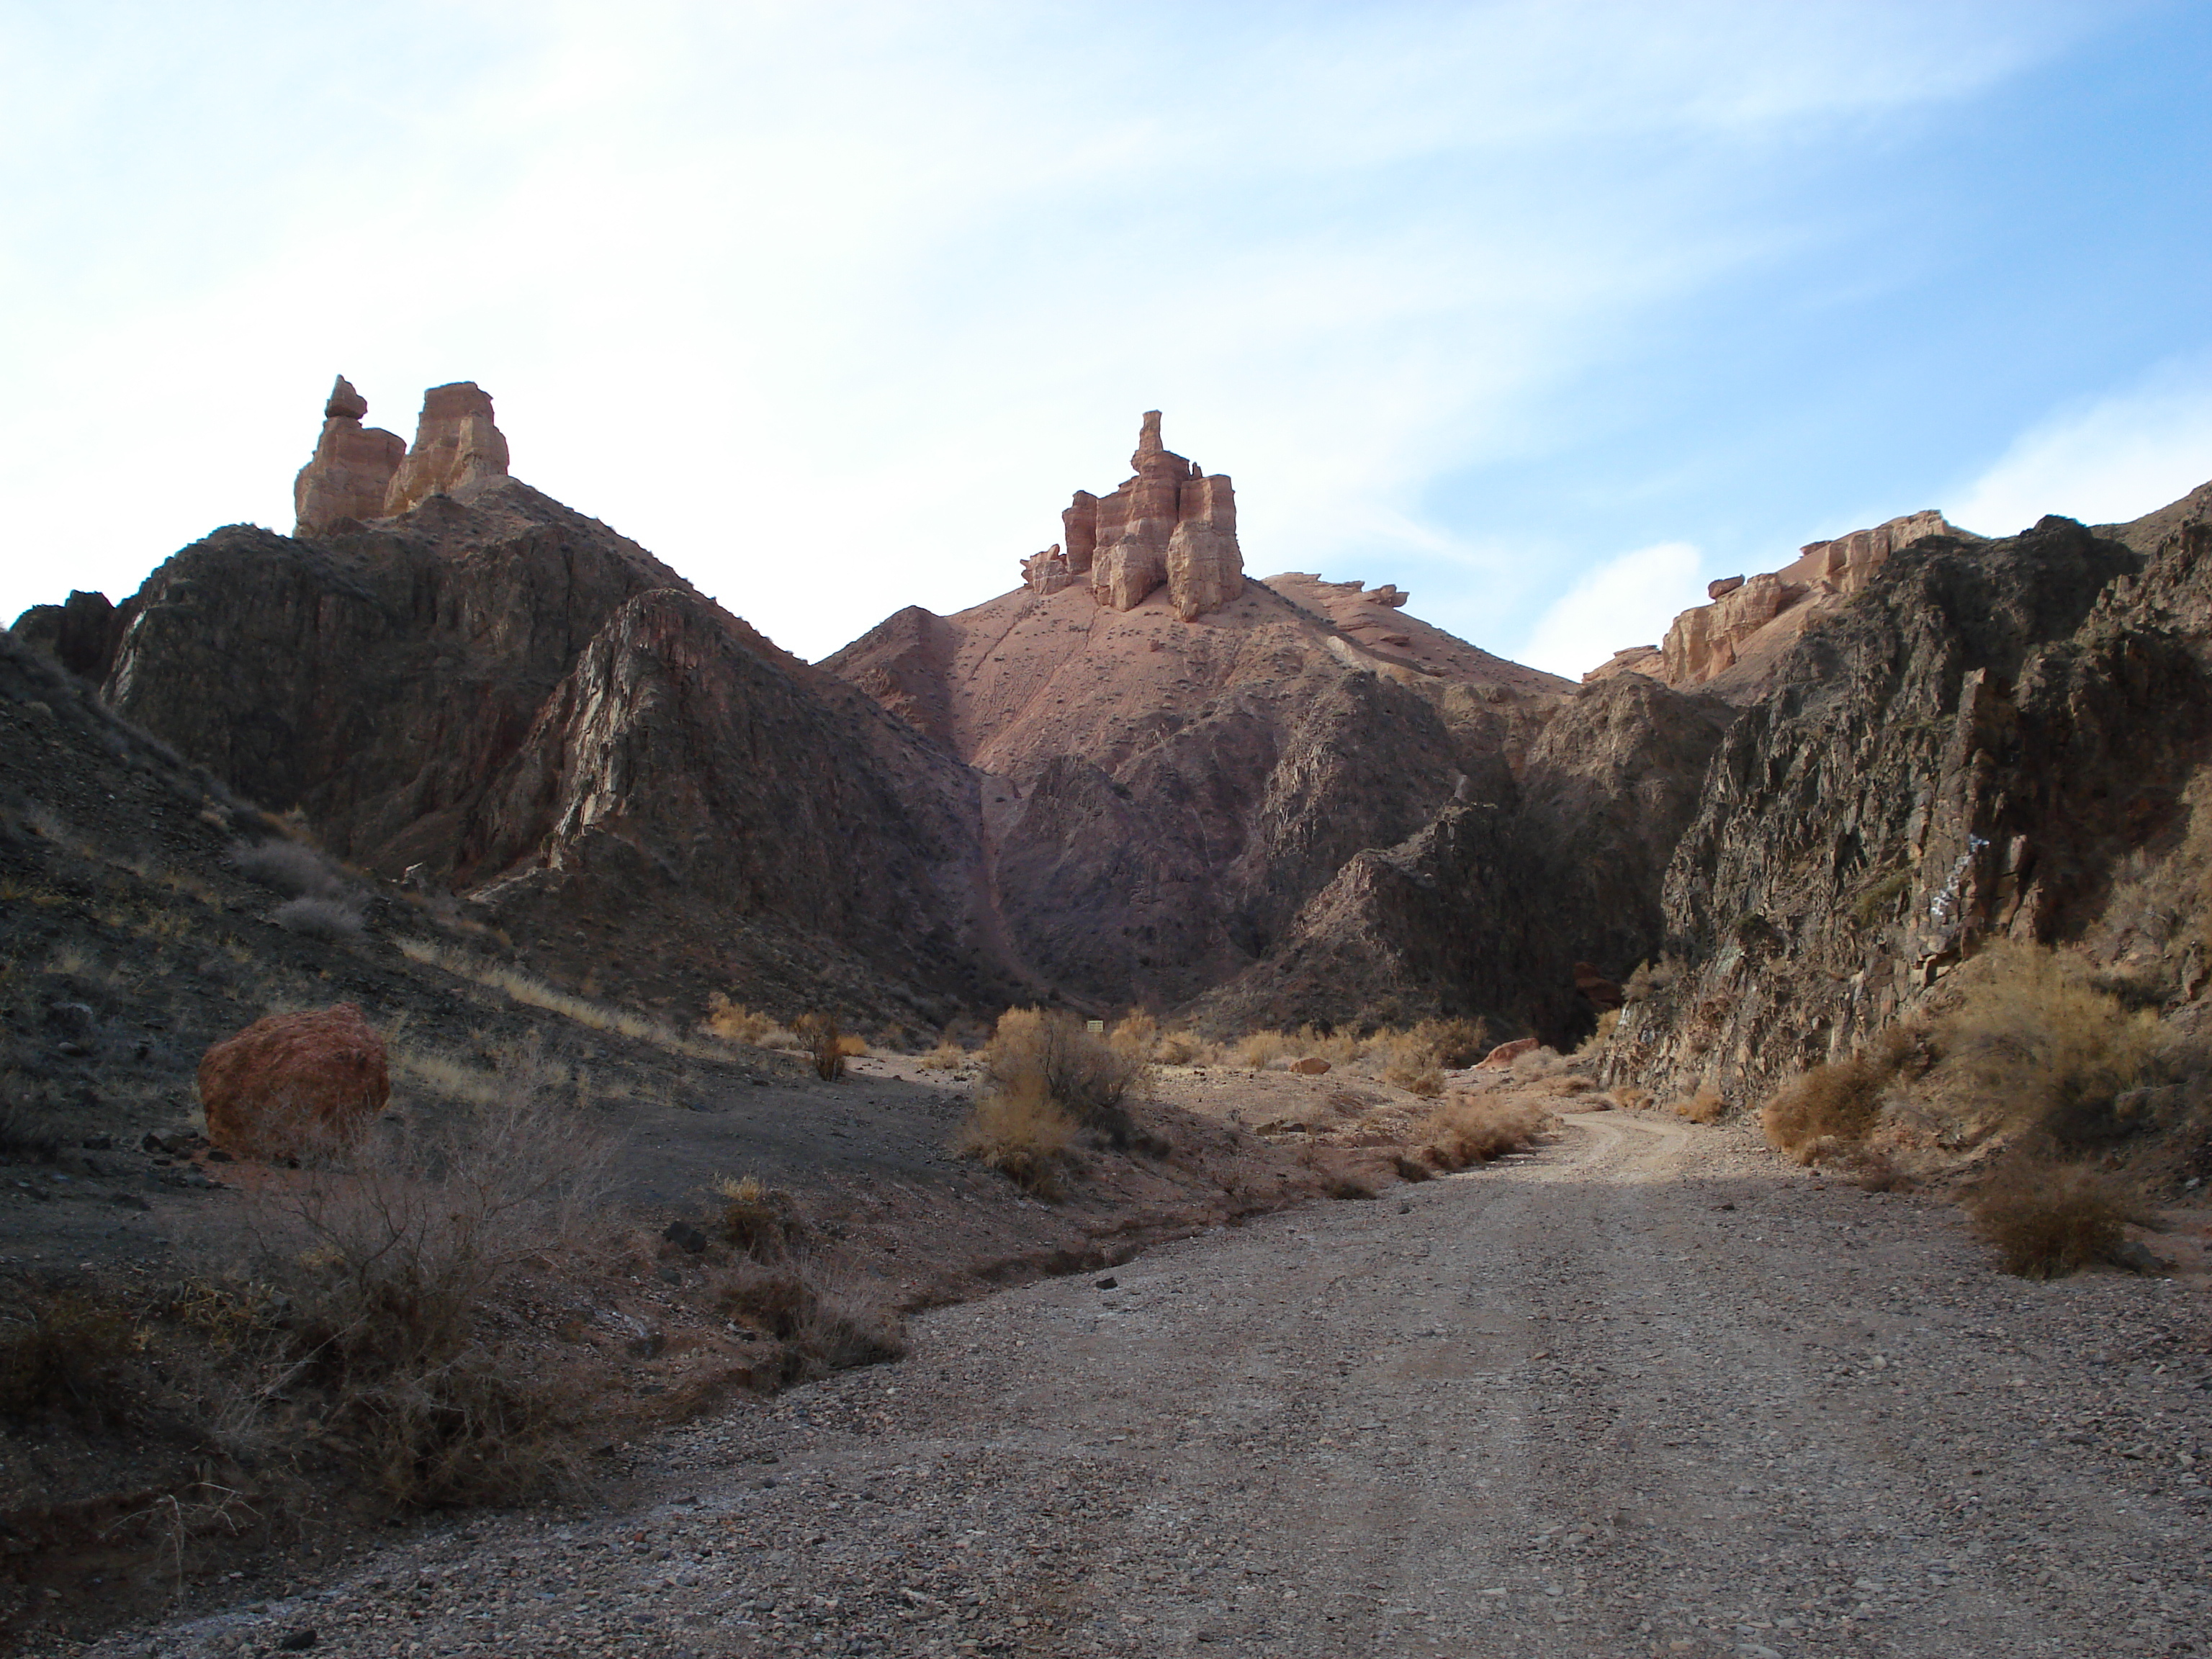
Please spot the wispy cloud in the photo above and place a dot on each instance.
(1627, 600)
(2103, 463)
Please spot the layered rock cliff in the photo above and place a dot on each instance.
(1171, 525)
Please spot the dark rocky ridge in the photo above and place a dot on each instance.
(538, 714)
(1972, 748)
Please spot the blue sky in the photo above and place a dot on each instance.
(1549, 313)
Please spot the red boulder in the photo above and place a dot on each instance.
(292, 1082)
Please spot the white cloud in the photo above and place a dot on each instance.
(2115, 459)
(1627, 600)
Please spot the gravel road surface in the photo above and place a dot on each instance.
(1646, 1391)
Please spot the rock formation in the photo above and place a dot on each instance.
(1734, 642)
(455, 444)
(292, 1083)
(1170, 524)
(352, 469)
(1980, 755)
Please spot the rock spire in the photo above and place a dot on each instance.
(1171, 524)
(365, 473)
(352, 467)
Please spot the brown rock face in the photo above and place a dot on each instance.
(456, 444)
(1046, 572)
(291, 1082)
(1168, 525)
(1734, 642)
(352, 468)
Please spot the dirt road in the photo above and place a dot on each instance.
(1644, 1392)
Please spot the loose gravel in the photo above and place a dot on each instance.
(1644, 1392)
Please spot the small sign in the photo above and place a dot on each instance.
(1094, 1024)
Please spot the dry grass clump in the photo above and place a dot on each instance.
(2031, 1045)
(1420, 1054)
(1136, 1031)
(2047, 1218)
(1823, 1113)
(1426, 1081)
(1706, 1106)
(946, 1056)
(759, 1221)
(1651, 979)
(734, 1022)
(1470, 1129)
(1337, 1048)
(386, 1267)
(536, 993)
(1017, 1130)
(1594, 1045)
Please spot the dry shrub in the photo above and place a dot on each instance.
(289, 867)
(1137, 1032)
(1261, 1049)
(28, 1131)
(1469, 1129)
(946, 1056)
(1338, 1047)
(1015, 1129)
(1183, 1048)
(1829, 1108)
(735, 1023)
(60, 1350)
(2031, 1045)
(2046, 1218)
(1594, 1045)
(1876, 1169)
(1706, 1106)
(852, 1046)
(334, 920)
(1633, 1098)
(1349, 1187)
(824, 1322)
(1411, 1169)
(1651, 978)
(760, 1221)
(1050, 1057)
(387, 1266)
(1571, 1083)
(824, 1042)
(1427, 1081)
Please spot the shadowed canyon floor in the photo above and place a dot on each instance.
(1646, 1391)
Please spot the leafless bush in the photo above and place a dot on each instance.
(288, 867)
(2032, 1045)
(1651, 978)
(825, 1043)
(334, 920)
(1260, 1049)
(389, 1260)
(29, 1132)
(1136, 1032)
(1468, 1129)
(2047, 1218)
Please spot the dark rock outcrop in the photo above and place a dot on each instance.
(1968, 749)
